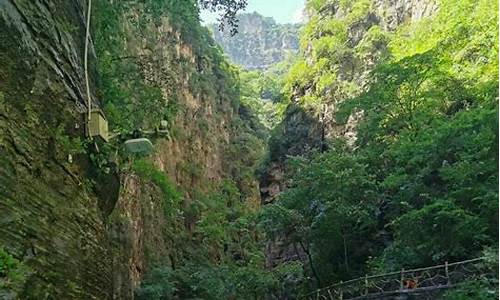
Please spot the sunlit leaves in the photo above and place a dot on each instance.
(423, 174)
(438, 231)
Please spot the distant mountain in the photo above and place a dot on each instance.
(260, 41)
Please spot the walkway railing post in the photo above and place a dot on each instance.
(402, 279)
(448, 281)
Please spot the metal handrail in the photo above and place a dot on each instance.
(365, 280)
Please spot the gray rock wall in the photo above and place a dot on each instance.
(49, 217)
(260, 41)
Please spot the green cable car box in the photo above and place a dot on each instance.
(140, 145)
(98, 125)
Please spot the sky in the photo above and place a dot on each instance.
(283, 11)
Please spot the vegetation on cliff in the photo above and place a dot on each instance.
(214, 248)
(419, 184)
(386, 133)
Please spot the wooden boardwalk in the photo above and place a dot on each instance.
(404, 282)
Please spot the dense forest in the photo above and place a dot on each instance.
(372, 149)
(417, 184)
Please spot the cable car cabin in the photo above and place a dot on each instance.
(141, 145)
(98, 126)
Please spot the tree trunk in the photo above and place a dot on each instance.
(311, 264)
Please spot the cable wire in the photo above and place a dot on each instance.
(87, 84)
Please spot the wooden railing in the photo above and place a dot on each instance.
(403, 282)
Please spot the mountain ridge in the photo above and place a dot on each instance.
(260, 41)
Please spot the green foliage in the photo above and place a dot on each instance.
(222, 259)
(420, 184)
(158, 284)
(65, 145)
(260, 95)
(290, 279)
(206, 282)
(481, 289)
(131, 97)
(298, 77)
(148, 171)
(129, 101)
(216, 253)
(374, 44)
(316, 5)
(13, 274)
(265, 85)
(330, 207)
(228, 8)
(418, 187)
(3, 104)
(8, 263)
(438, 231)
(357, 10)
(332, 56)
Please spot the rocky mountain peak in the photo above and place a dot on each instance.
(260, 41)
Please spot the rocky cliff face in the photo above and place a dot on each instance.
(195, 155)
(387, 14)
(49, 217)
(260, 41)
(306, 127)
(312, 119)
(80, 226)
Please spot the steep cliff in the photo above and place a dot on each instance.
(342, 44)
(389, 102)
(50, 217)
(260, 41)
(391, 120)
(83, 219)
(340, 47)
(197, 93)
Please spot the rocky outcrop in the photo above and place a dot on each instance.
(49, 215)
(395, 13)
(260, 41)
(305, 128)
(192, 154)
(136, 234)
(308, 127)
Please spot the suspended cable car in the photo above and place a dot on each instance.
(140, 145)
(98, 125)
